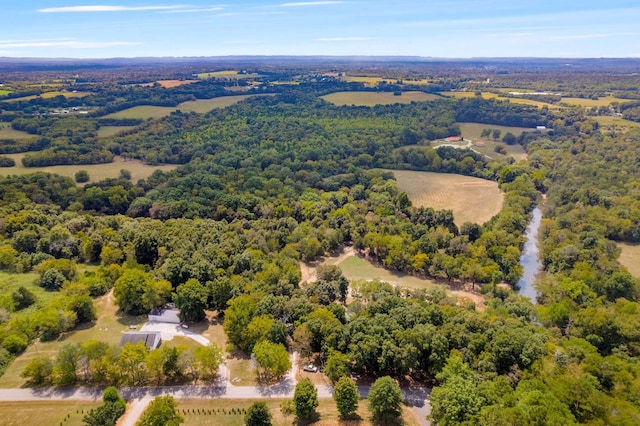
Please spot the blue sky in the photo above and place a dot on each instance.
(437, 28)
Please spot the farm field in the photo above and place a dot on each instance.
(474, 130)
(228, 74)
(629, 258)
(604, 101)
(48, 95)
(328, 414)
(199, 106)
(608, 120)
(97, 172)
(174, 83)
(35, 412)
(4, 92)
(516, 151)
(377, 98)
(488, 95)
(108, 131)
(6, 132)
(471, 199)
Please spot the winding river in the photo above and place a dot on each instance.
(529, 259)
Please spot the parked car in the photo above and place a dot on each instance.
(310, 368)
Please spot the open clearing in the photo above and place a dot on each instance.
(48, 95)
(45, 412)
(174, 83)
(377, 98)
(227, 74)
(489, 95)
(585, 102)
(474, 130)
(4, 92)
(200, 106)
(610, 121)
(108, 131)
(6, 132)
(97, 172)
(630, 258)
(328, 414)
(471, 199)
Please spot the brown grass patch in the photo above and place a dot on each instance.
(174, 83)
(6, 132)
(471, 199)
(629, 258)
(45, 412)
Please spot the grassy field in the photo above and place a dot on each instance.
(609, 121)
(108, 131)
(97, 172)
(48, 95)
(471, 199)
(4, 92)
(6, 132)
(174, 83)
(327, 413)
(604, 101)
(200, 106)
(515, 151)
(241, 371)
(488, 95)
(45, 412)
(228, 74)
(377, 98)
(357, 268)
(474, 130)
(629, 258)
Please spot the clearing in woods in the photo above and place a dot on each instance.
(200, 106)
(377, 98)
(108, 131)
(97, 172)
(471, 199)
(6, 132)
(629, 258)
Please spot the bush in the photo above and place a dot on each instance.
(258, 415)
(82, 176)
(6, 161)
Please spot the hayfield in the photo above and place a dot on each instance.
(45, 412)
(6, 132)
(108, 131)
(474, 130)
(199, 106)
(608, 121)
(471, 199)
(4, 92)
(327, 413)
(630, 257)
(174, 83)
(377, 98)
(604, 101)
(228, 74)
(489, 95)
(97, 172)
(48, 95)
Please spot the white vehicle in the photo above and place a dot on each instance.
(310, 368)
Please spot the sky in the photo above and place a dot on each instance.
(429, 28)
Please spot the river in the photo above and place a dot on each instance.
(529, 259)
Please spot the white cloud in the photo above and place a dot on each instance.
(71, 44)
(103, 8)
(343, 39)
(195, 10)
(311, 3)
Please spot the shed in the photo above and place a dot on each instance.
(165, 315)
(454, 139)
(151, 339)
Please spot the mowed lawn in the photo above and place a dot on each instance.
(200, 106)
(377, 98)
(211, 413)
(471, 199)
(630, 258)
(28, 413)
(6, 132)
(97, 172)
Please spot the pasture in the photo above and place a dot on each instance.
(377, 98)
(489, 95)
(75, 94)
(473, 131)
(611, 121)
(6, 132)
(629, 258)
(584, 102)
(4, 92)
(45, 412)
(108, 131)
(471, 199)
(97, 172)
(229, 412)
(200, 106)
(174, 83)
(226, 75)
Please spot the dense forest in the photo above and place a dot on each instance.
(275, 180)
